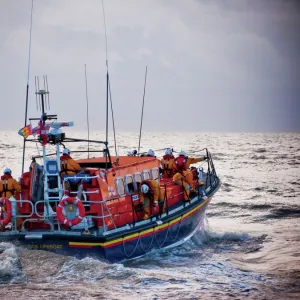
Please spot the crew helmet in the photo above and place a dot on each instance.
(7, 171)
(168, 151)
(150, 153)
(144, 188)
(66, 151)
(182, 153)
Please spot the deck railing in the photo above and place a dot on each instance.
(48, 215)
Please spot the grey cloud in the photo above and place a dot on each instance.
(227, 65)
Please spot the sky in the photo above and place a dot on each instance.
(213, 65)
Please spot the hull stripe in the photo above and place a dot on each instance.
(134, 236)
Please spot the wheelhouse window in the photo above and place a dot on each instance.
(129, 187)
(137, 179)
(146, 175)
(154, 174)
(119, 182)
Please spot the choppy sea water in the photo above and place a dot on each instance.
(248, 247)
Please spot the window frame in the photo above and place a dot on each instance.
(126, 184)
(135, 182)
(151, 174)
(143, 177)
(117, 186)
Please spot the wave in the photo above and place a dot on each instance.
(255, 197)
(258, 157)
(91, 270)
(225, 204)
(284, 212)
(260, 150)
(226, 237)
(10, 266)
(293, 162)
(229, 241)
(258, 188)
(258, 206)
(295, 182)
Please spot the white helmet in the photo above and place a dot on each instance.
(182, 153)
(150, 152)
(66, 151)
(7, 170)
(144, 188)
(168, 151)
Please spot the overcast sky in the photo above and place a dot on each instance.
(213, 65)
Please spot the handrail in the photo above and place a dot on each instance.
(211, 179)
(25, 216)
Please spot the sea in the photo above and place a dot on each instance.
(248, 246)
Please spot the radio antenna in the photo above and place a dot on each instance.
(108, 90)
(87, 110)
(27, 86)
(142, 111)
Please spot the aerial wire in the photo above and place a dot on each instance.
(142, 111)
(87, 110)
(27, 86)
(108, 89)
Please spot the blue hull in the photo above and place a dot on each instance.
(170, 230)
(127, 246)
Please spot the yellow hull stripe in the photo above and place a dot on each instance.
(143, 233)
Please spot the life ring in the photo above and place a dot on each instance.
(4, 201)
(68, 201)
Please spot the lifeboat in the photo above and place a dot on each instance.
(105, 210)
(111, 207)
(115, 208)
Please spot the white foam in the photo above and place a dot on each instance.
(9, 263)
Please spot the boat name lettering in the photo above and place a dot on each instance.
(43, 246)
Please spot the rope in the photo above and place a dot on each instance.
(179, 226)
(160, 246)
(145, 251)
(125, 252)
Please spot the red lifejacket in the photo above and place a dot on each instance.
(167, 159)
(6, 177)
(65, 157)
(180, 163)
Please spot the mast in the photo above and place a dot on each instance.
(27, 86)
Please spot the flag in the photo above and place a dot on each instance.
(43, 131)
(36, 130)
(25, 131)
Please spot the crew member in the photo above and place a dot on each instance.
(149, 195)
(132, 153)
(8, 185)
(150, 153)
(182, 164)
(8, 189)
(68, 165)
(180, 180)
(167, 163)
